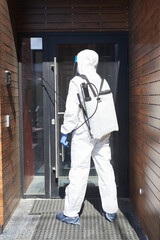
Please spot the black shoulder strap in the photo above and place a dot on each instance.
(100, 89)
(101, 85)
(90, 85)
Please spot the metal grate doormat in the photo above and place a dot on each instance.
(57, 205)
(47, 206)
(94, 225)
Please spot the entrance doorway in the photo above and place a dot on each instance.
(46, 70)
(63, 72)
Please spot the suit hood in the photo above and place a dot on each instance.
(87, 61)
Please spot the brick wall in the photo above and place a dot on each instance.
(9, 105)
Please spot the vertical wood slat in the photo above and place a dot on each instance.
(145, 112)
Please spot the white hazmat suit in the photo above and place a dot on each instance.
(83, 147)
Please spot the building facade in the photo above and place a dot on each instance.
(38, 42)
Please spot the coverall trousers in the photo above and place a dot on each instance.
(82, 149)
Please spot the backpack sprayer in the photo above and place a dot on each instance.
(98, 110)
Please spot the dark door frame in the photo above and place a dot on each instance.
(50, 40)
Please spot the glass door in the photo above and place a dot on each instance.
(44, 82)
(63, 73)
(33, 171)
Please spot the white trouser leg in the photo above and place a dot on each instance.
(102, 155)
(80, 166)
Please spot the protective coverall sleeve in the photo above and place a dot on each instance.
(72, 109)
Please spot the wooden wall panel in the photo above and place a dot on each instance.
(144, 74)
(55, 16)
(9, 105)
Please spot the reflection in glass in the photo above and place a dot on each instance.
(36, 43)
(32, 94)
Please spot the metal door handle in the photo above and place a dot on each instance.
(60, 113)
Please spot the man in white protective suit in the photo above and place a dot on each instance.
(83, 147)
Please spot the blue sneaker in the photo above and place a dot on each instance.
(72, 220)
(110, 216)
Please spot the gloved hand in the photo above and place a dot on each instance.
(63, 140)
